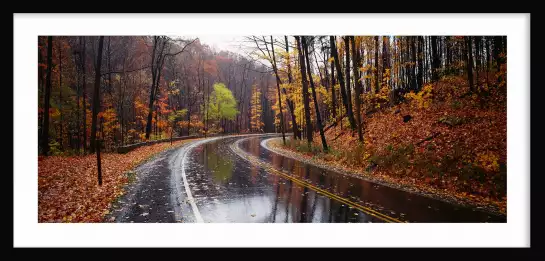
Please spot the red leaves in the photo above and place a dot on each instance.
(472, 133)
(68, 189)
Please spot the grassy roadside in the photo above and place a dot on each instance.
(68, 190)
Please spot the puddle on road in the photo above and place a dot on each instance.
(229, 189)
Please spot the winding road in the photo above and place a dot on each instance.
(237, 179)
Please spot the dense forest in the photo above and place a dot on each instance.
(127, 89)
(131, 89)
(424, 113)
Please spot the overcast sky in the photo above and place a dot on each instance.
(223, 42)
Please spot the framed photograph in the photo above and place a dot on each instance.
(240, 122)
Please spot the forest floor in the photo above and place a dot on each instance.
(68, 189)
(453, 147)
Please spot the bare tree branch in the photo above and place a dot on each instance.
(173, 54)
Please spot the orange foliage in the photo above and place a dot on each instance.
(68, 189)
(464, 159)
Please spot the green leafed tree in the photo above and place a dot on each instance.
(173, 118)
(222, 105)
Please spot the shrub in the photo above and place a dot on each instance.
(422, 99)
(55, 148)
(396, 157)
(355, 155)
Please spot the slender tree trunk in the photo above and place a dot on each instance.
(385, 59)
(342, 83)
(401, 63)
(422, 59)
(156, 120)
(60, 93)
(207, 104)
(357, 85)
(306, 101)
(84, 85)
(497, 49)
(278, 90)
(96, 95)
(42, 92)
(318, 117)
(409, 78)
(435, 56)
(296, 133)
(45, 130)
(377, 80)
(413, 66)
(333, 99)
(99, 167)
(78, 92)
(420, 77)
(188, 119)
(487, 42)
(469, 62)
(477, 40)
(347, 73)
(448, 52)
(156, 68)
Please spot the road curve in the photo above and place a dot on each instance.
(236, 179)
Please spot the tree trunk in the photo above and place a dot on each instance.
(497, 50)
(357, 85)
(317, 110)
(188, 119)
(347, 73)
(333, 99)
(408, 74)
(207, 104)
(78, 98)
(487, 61)
(448, 52)
(469, 62)
(477, 40)
(435, 56)
(156, 68)
(385, 59)
(278, 90)
(413, 66)
(99, 167)
(377, 80)
(45, 130)
(84, 85)
(420, 77)
(60, 93)
(342, 83)
(296, 133)
(42, 91)
(96, 94)
(306, 101)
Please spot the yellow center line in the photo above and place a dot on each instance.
(369, 211)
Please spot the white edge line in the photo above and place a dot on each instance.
(190, 198)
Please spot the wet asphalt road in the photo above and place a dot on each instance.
(235, 179)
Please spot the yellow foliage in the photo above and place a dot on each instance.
(55, 113)
(377, 100)
(423, 98)
(256, 110)
(488, 161)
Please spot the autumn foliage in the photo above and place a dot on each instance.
(67, 186)
(451, 146)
